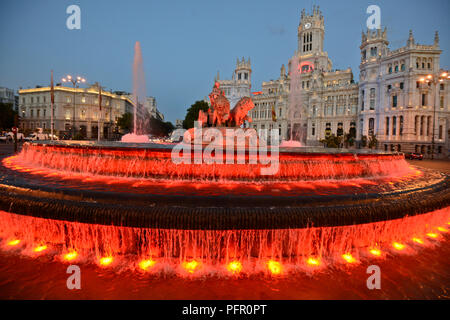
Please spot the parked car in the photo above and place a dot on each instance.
(414, 156)
(9, 137)
(40, 136)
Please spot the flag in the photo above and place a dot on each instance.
(52, 89)
(274, 114)
(100, 98)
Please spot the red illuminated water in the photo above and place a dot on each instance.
(423, 275)
(326, 262)
(213, 250)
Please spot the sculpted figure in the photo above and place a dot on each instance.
(239, 113)
(219, 113)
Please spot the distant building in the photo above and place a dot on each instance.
(151, 107)
(8, 96)
(73, 107)
(178, 124)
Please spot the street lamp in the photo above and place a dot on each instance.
(74, 81)
(435, 80)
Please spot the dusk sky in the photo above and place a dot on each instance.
(185, 43)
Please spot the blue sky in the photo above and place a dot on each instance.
(185, 43)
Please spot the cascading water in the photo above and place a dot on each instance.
(211, 252)
(134, 208)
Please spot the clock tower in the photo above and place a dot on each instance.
(311, 32)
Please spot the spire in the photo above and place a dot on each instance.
(436, 39)
(410, 39)
(283, 71)
(217, 76)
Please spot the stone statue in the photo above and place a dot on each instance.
(240, 112)
(219, 113)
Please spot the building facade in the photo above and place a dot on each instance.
(75, 110)
(390, 101)
(396, 104)
(240, 84)
(7, 96)
(319, 102)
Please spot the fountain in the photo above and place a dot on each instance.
(139, 96)
(132, 206)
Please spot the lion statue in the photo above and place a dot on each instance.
(239, 113)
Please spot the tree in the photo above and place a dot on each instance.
(332, 141)
(373, 141)
(192, 113)
(7, 116)
(364, 141)
(160, 128)
(125, 122)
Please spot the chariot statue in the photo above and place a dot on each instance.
(219, 113)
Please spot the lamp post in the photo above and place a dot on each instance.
(435, 80)
(74, 81)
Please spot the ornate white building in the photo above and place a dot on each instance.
(327, 98)
(394, 104)
(390, 101)
(72, 107)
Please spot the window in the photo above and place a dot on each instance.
(389, 87)
(32, 99)
(402, 67)
(394, 101)
(387, 126)
(401, 85)
(239, 76)
(372, 99)
(371, 126)
(396, 68)
(441, 129)
(417, 84)
(441, 102)
(44, 98)
(401, 126)
(390, 69)
(38, 113)
(416, 124)
(424, 99)
(441, 86)
(364, 55)
(373, 51)
(44, 112)
(394, 126)
(31, 113)
(313, 129)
